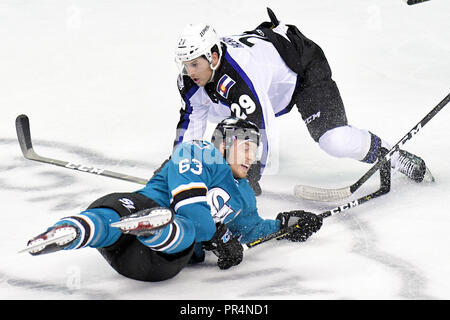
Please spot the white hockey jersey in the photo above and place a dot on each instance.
(252, 82)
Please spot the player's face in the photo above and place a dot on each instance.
(198, 70)
(241, 156)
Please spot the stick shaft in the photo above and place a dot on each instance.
(26, 145)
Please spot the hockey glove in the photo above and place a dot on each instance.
(253, 177)
(304, 224)
(227, 248)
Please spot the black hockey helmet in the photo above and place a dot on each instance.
(233, 128)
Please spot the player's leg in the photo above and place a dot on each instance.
(125, 253)
(321, 107)
(129, 256)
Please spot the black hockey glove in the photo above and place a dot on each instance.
(227, 248)
(305, 224)
(253, 177)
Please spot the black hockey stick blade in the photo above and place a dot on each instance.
(411, 2)
(24, 135)
(26, 145)
(273, 18)
(324, 194)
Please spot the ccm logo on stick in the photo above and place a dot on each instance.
(83, 168)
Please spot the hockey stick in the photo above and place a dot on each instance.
(385, 177)
(323, 194)
(24, 137)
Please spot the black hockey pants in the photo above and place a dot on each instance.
(128, 256)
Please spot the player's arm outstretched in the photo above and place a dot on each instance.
(251, 226)
(306, 224)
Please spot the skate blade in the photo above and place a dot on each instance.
(428, 177)
(154, 219)
(44, 243)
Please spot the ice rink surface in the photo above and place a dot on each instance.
(98, 81)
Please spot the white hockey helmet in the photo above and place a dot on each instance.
(197, 40)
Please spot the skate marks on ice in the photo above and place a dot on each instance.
(365, 243)
(48, 288)
(62, 187)
(412, 283)
(273, 283)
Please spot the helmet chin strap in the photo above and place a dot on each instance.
(213, 70)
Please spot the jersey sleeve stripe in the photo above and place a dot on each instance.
(247, 81)
(182, 197)
(187, 201)
(173, 239)
(187, 194)
(189, 186)
(261, 123)
(86, 233)
(172, 234)
(185, 114)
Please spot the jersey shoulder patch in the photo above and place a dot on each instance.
(224, 85)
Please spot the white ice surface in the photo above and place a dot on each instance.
(98, 81)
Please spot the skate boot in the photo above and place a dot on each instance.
(413, 167)
(54, 239)
(145, 222)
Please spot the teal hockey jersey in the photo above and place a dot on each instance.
(199, 185)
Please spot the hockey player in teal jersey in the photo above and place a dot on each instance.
(199, 200)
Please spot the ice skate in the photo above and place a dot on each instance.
(54, 239)
(145, 222)
(413, 167)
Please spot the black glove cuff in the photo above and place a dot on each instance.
(285, 218)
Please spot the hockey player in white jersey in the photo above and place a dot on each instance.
(262, 74)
